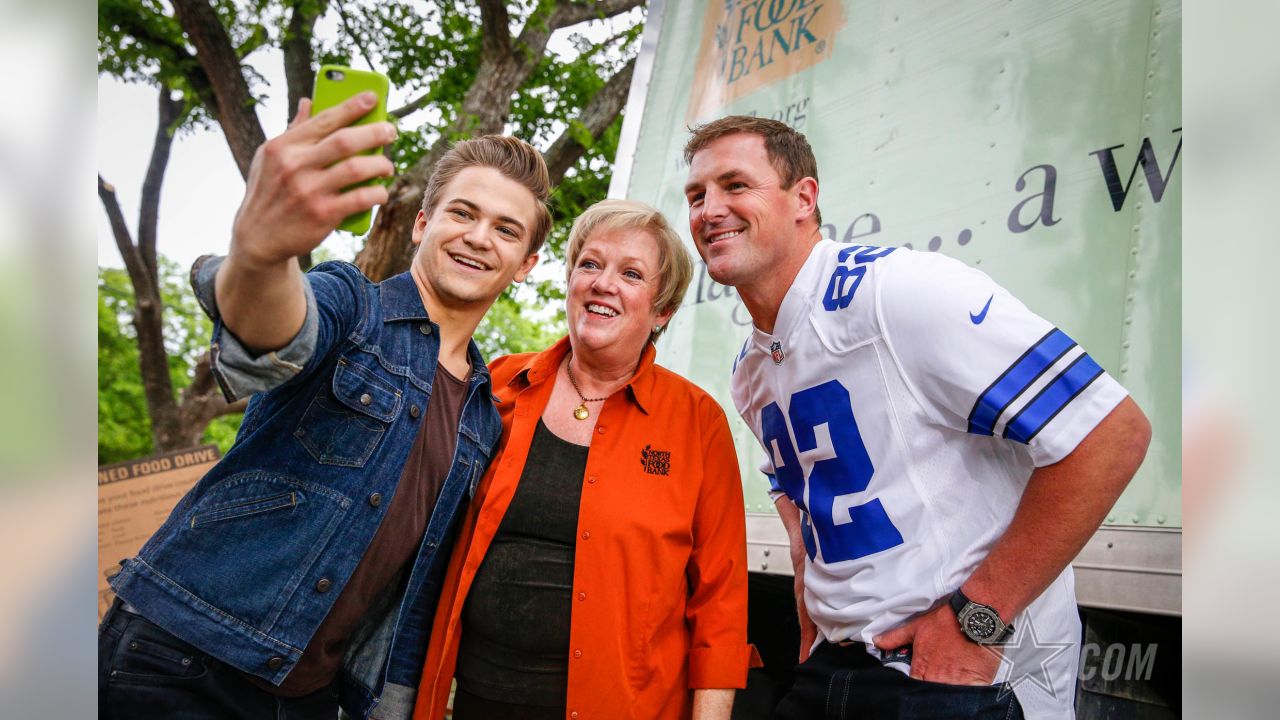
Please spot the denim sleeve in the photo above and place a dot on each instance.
(241, 372)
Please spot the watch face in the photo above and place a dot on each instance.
(980, 625)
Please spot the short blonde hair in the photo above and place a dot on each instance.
(675, 268)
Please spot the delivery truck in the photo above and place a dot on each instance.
(1036, 141)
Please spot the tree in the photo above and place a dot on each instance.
(176, 422)
(470, 72)
(124, 424)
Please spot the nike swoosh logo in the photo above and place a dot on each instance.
(977, 319)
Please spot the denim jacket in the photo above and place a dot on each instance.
(252, 558)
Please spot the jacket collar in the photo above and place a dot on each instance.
(544, 365)
(400, 299)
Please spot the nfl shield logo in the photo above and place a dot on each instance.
(776, 350)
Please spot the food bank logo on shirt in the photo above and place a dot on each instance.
(747, 44)
(655, 462)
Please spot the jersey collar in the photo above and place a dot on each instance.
(798, 301)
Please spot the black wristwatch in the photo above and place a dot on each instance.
(980, 623)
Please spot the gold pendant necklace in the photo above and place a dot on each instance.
(580, 412)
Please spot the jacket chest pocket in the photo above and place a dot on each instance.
(345, 422)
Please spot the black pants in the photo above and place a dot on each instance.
(844, 682)
(144, 672)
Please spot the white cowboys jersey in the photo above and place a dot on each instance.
(903, 401)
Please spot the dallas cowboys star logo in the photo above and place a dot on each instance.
(1030, 661)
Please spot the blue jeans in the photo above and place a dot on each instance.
(844, 682)
(145, 672)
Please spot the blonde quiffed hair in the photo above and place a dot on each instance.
(675, 268)
(516, 159)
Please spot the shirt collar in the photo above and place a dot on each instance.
(545, 364)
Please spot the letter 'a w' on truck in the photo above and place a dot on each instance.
(1037, 142)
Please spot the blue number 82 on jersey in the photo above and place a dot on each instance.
(868, 529)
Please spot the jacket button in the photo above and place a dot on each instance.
(574, 715)
(586, 534)
(324, 584)
(366, 399)
(414, 411)
(600, 430)
(275, 663)
(582, 596)
(424, 328)
(577, 653)
(375, 499)
(592, 479)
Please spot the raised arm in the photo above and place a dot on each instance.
(295, 197)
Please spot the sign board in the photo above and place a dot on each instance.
(1038, 142)
(134, 499)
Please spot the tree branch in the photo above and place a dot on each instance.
(568, 13)
(595, 118)
(494, 27)
(411, 107)
(124, 241)
(299, 72)
(355, 39)
(170, 111)
(221, 63)
(202, 401)
(170, 54)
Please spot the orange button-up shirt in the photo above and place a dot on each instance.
(659, 603)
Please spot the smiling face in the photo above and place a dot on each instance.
(476, 240)
(744, 223)
(612, 288)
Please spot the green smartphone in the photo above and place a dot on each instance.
(335, 85)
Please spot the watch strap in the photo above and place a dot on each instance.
(958, 601)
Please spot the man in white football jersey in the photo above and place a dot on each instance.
(938, 452)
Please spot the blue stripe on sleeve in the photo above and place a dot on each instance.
(1020, 375)
(1052, 399)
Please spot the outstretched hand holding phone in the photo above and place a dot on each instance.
(302, 184)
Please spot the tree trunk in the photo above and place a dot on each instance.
(221, 64)
(505, 65)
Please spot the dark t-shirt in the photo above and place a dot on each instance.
(515, 624)
(395, 544)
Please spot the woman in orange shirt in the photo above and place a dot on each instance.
(601, 571)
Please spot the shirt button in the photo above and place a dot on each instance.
(586, 534)
(582, 596)
(600, 430)
(324, 584)
(366, 399)
(375, 499)
(574, 715)
(592, 479)
(275, 663)
(414, 411)
(424, 328)
(577, 653)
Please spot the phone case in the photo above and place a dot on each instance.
(336, 84)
